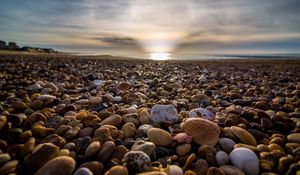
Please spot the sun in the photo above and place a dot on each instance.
(160, 56)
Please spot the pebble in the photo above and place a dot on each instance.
(226, 144)
(159, 137)
(294, 137)
(4, 158)
(163, 113)
(222, 158)
(244, 135)
(92, 149)
(114, 120)
(146, 147)
(202, 131)
(137, 161)
(128, 130)
(46, 97)
(83, 171)
(40, 155)
(117, 170)
(183, 149)
(105, 151)
(9, 167)
(200, 98)
(231, 170)
(59, 165)
(95, 167)
(246, 160)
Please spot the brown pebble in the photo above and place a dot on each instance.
(215, 171)
(231, 170)
(159, 136)
(183, 149)
(117, 170)
(59, 165)
(9, 167)
(92, 149)
(95, 167)
(114, 120)
(244, 135)
(105, 152)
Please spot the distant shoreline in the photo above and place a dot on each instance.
(218, 58)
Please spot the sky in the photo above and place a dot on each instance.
(142, 27)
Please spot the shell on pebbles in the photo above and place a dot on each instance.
(246, 160)
(201, 113)
(202, 131)
(243, 135)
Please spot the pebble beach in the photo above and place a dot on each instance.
(86, 116)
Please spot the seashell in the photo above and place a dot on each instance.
(137, 161)
(163, 113)
(159, 137)
(202, 131)
(59, 165)
(183, 137)
(117, 170)
(201, 113)
(243, 135)
(246, 160)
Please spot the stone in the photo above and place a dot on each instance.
(146, 147)
(46, 97)
(163, 113)
(95, 167)
(232, 170)
(145, 117)
(4, 158)
(201, 113)
(40, 155)
(222, 158)
(107, 148)
(114, 120)
(92, 149)
(124, 86)
(200, 98)
(201, 166)
(243, 135)
(159, 137)
(9, 167)
(183, 149)
(59, 165)
(83, 171)
(117, 170)
(215, 171)
(294, 137)
(226, 144)
(202, 131)
(137, 161)
(246, 160)
(128, 130)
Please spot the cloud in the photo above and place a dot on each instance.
(118, 41)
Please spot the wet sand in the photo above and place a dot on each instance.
(63, 114)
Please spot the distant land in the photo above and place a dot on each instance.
(12, 46)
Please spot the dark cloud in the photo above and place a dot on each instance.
(118, 41)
